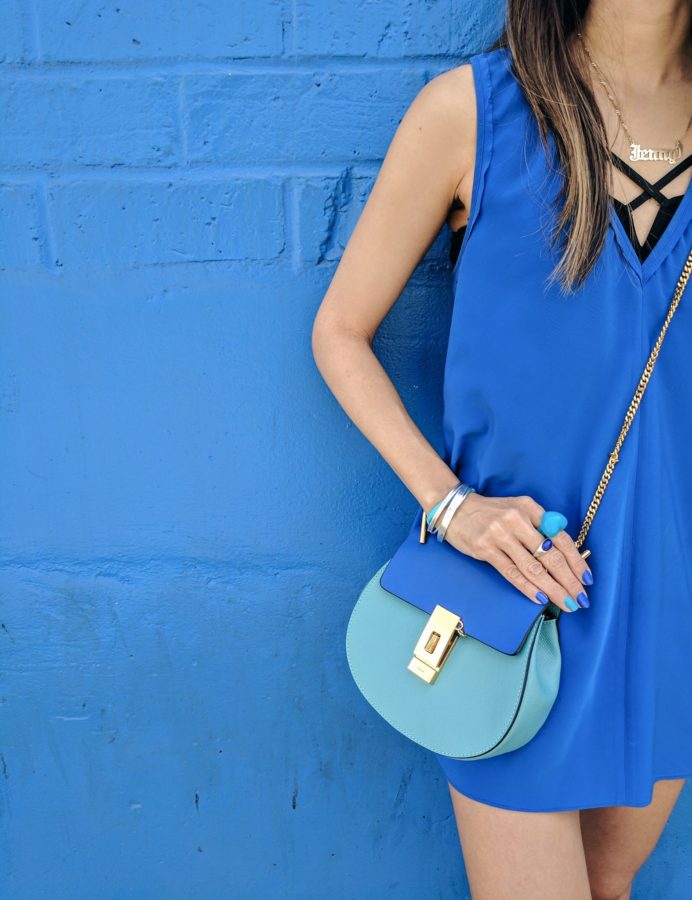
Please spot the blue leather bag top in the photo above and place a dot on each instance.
(493, 610)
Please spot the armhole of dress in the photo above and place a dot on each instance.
(484, 136)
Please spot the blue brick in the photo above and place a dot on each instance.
(474, 26)
(323, 116)
(429, 26)
(392, 29)
(19, 226)
(328, 210)
(145, 222)
(95, 30)
(348, 28)
(88, 121)
(14, 33)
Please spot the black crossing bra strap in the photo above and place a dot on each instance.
(653, 190)
(667, 205)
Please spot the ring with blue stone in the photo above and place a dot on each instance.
(551, 523)
(543, 547)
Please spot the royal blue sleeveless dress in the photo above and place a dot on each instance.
(536, 386)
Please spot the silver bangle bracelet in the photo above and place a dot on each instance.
(460, 495)
(441, 508)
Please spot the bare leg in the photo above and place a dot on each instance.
(619, 839)
(520, 855)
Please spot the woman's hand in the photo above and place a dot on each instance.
(503, 532)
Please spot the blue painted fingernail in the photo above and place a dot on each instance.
(587, 577)
(542, 597)
(582, 599)
(570, 604)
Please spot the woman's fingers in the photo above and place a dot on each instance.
(556, 580)
(564, 561)
(562, 541)
(571, 552)
(561, 563)
(506, 566)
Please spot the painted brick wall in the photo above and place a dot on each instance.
(186, 515)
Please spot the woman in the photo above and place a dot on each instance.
(553, 156)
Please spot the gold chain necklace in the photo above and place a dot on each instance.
(637, 152)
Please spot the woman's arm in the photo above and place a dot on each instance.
(430, 161)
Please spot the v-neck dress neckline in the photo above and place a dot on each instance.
(667, 240)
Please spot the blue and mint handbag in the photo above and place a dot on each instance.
(450, 653)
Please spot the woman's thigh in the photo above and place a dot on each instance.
(520, 855)
(618, 839)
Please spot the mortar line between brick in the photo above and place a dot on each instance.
(122, 566)
(194, 172)
(303, 65)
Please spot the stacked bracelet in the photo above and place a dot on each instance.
(438, 519)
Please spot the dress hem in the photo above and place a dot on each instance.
(574, 808)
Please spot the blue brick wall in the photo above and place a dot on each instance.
(183, 525)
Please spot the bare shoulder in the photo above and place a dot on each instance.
(446, 106)
(448, 100)
(454, 89)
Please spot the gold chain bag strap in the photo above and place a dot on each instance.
(613, 458)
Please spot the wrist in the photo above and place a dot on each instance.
(439, 521)
(437, 489)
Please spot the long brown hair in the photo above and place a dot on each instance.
(550, 68)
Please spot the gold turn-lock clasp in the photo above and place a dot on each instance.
(435, 642)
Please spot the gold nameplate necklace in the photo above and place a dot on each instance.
(637, 152)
